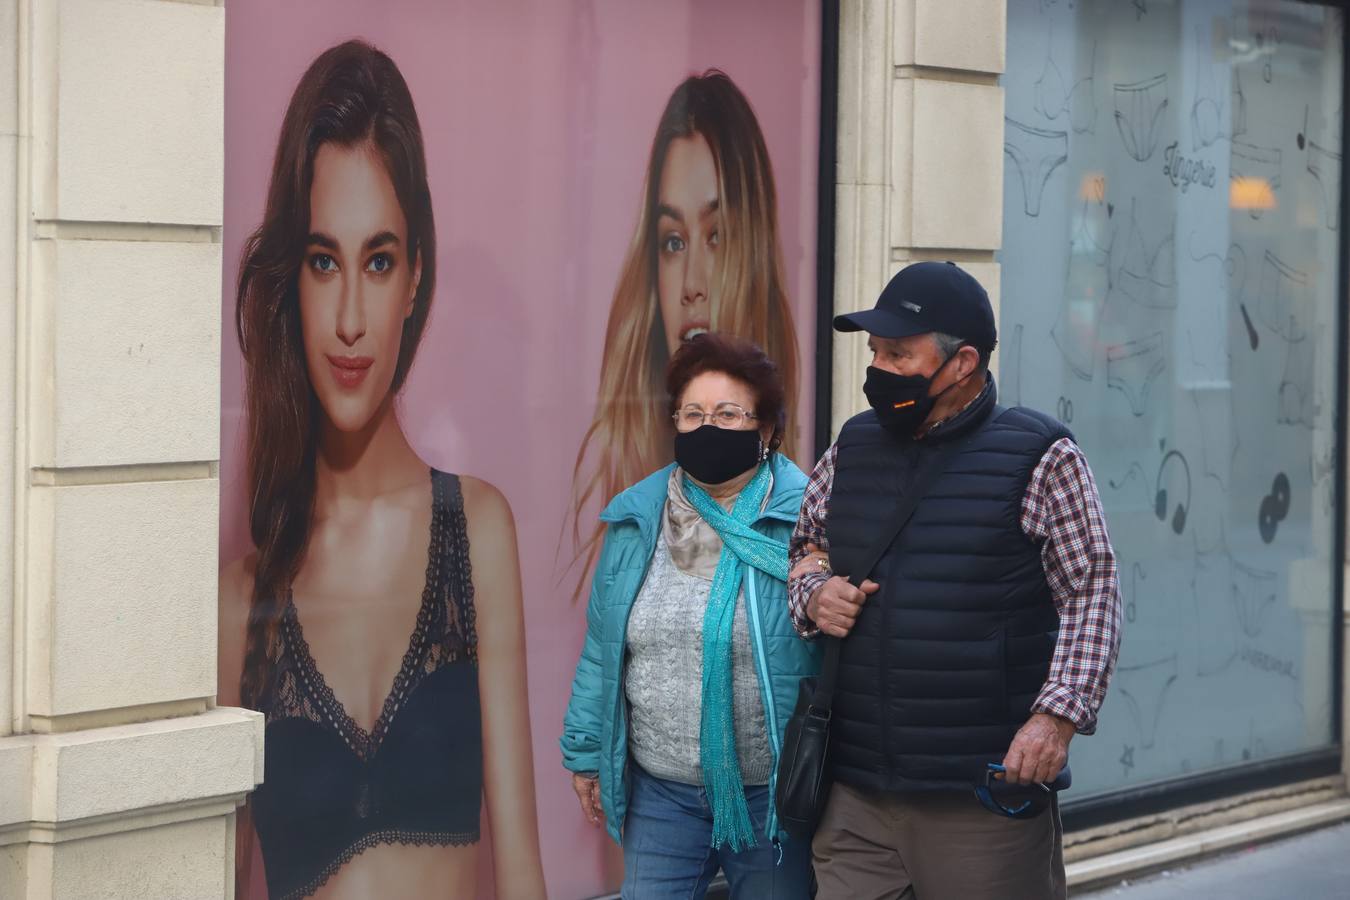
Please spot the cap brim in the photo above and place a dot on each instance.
(879, 322)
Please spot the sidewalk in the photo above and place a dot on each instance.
(1312, 866)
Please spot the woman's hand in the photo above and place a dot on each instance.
(811, 562)
(588, 792)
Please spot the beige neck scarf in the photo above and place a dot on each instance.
(694, 546)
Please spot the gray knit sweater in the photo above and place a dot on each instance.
(663, 678)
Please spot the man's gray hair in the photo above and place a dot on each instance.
(947, 344)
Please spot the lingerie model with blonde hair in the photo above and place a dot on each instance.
(704, 257)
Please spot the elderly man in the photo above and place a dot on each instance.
(987, 632)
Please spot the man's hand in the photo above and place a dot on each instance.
(1040, 749)
(835, 605)
(588, 792)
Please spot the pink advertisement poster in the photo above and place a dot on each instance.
(461, 242)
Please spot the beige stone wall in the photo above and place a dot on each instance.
(920, 154)
(9, 477)
(117, 776)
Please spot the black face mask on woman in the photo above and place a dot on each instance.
(901, 402)
(713, 455)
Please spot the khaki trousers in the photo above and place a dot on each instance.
(934, 847)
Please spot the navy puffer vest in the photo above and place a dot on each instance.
(944, 662)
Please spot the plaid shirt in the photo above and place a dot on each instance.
(1061, 511)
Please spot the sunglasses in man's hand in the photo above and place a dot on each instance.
(993, 787)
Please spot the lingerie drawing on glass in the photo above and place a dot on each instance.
(1086, 288)
(1299, 403)
(1055, 96)
(1255, 173)
(1035, 153)
(1219, 110)
(1284, 299)
(1144, 688)
(1133, 367)
(333, 789)
(1139, 106)
(1324, 166)
(1148, 267)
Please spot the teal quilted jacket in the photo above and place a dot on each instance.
(595, 729)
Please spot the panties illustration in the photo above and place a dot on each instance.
(1132, 367)
(1253, 594)
(1325, 167)
(1036, 153)
(1145, 690)
(1138, 108)
(1282, 298)
(1256, 164)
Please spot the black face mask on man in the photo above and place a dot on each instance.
(713, 455)
(902, 402)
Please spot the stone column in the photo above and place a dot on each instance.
(117, 774)
(920, 150)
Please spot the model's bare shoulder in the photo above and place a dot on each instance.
(493, 554)
(236, 596)
(486, 509)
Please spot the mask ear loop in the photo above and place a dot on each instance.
(944, 365)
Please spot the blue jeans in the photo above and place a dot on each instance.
(667, 852)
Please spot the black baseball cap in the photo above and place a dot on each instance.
(929, 296)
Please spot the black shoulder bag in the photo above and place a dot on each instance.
(803, 772)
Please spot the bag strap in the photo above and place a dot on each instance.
(823, 698)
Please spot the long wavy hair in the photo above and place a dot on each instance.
(351, 95)
(631, 433)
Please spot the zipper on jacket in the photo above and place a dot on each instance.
(770, 712)
(620, 699)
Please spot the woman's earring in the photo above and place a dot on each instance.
(763, 450)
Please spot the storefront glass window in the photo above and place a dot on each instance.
(1169, 278)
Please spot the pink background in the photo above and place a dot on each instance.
(537, 118)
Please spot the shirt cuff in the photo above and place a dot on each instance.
(803, 586)
(1063, 701)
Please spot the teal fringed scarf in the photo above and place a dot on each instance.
(741, 546)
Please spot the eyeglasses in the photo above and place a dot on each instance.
(1027, 809)
(725, 415)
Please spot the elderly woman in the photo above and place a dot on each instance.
(690, 666)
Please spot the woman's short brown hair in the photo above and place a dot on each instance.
(737, 358)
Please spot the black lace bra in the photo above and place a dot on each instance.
(332, 789)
